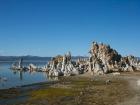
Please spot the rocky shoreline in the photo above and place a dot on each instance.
(102, 60)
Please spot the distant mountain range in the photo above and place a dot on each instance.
(25, 58)
(30, 58)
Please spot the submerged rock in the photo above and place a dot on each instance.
(2, 79)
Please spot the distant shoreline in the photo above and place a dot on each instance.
(25, 61)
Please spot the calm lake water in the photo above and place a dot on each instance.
(16, 78)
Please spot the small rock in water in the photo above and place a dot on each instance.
(108, 82)
(3, 79)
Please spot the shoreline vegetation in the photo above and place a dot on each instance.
(74, 90)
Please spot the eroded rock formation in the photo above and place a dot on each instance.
(103, 59)
(130, 63)
(63, 66)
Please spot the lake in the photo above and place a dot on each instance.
(18, 78)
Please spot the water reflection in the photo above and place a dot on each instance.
(18, 78)
(20, 73)
(50, 78)
(3, 81)
(45, 74)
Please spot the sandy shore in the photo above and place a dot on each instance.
(134, 84)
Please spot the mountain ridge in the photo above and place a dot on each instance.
(30, 57)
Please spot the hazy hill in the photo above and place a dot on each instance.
(30, 58)
(25, 58)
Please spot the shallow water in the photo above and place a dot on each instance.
(17, 78)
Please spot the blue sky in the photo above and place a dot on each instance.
(51, 27)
